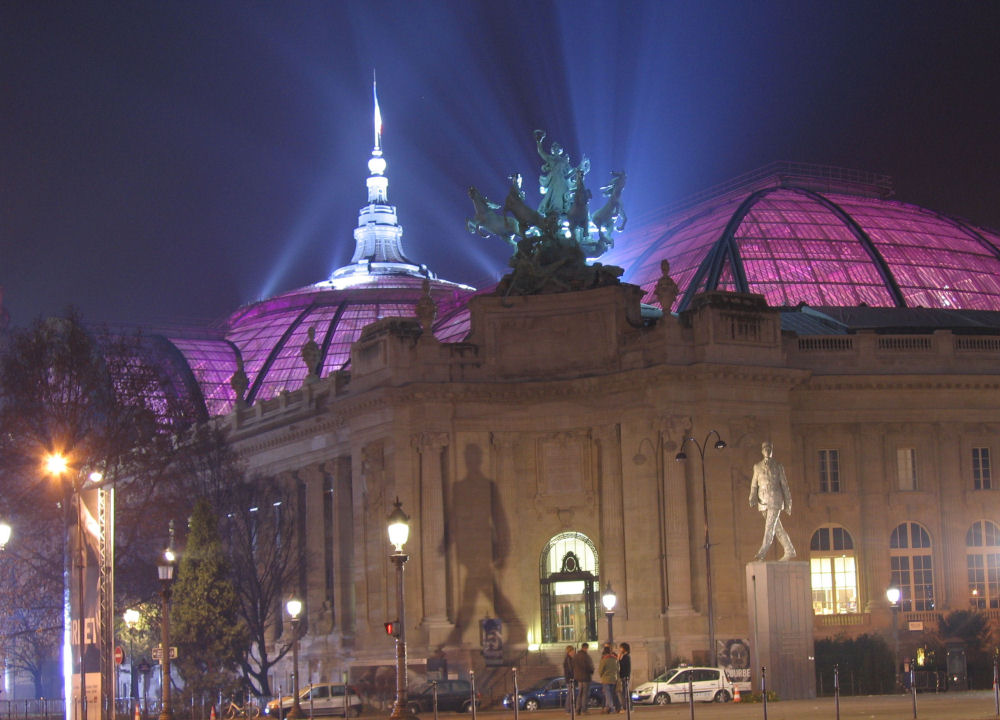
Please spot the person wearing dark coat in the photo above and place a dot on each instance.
(625, 671)
(583, 672)
(568, 675)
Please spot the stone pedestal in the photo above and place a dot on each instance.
(781, 627)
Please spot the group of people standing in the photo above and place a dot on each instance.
(614, 670)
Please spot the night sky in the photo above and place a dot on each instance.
(167, 162)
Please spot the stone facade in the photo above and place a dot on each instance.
(560, 417)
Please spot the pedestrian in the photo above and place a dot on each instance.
(568, 675)
(608, 670)
(625, 672)
(583, 673)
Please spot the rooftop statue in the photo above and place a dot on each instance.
(552, 244)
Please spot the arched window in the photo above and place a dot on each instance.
(911, 566)
(982, 557)
(569, 576)
(833, 571)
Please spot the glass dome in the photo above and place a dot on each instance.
(815, 237)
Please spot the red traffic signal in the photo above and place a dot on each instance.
(392, 628)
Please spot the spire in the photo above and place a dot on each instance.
(378, 237)
(378, 119)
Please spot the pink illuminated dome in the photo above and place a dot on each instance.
(825, 237)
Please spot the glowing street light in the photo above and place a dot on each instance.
(165, 569)
(892, 595)
(720, 444)
(5, 532)
(56, 465)
(131, 618)
(608, 599)
(399, 533)
(294, 608)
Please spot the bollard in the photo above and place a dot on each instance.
(628, 700)
(996, 687)
(691, 693)
(571, 694)
(913, 690)
(763, 688)
(517, 700)
(836, 689)
(472, 682)
(434, 694)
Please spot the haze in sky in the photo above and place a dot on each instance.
(169, 162)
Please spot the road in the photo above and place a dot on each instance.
(976, 705)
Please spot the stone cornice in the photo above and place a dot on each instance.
(901, 382)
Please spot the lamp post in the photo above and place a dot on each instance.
(294, 607)
(892, 595)
(5, 532)
(131, 618)
(608, 599)
(166, 572)
(56, 464)
(399, 533)
(720, 444)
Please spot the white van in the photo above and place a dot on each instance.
(676, 685)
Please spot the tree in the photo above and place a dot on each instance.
(266, 563)
(206, 627)
(98, 399)
(972, 627)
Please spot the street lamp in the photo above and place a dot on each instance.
(720, 444)
(294, 607)
(399, 533)
(166, 573)
(608, 599)
(131, 618)
(892, 595)
(5, 532)
(56, 464)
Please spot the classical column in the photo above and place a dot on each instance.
(433, 555)
(676, 529)
(612, 512)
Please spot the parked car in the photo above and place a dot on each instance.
(322, 698)
(451, 695)
(550, 693)
(708, 684)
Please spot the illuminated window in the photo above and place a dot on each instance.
(982, 478)
(982, 556)
(906, 468)
(829, 471)
(833, 571)
(911, 566)
(570, 589)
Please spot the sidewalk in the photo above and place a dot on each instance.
(975, 705)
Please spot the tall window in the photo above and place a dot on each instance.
(982, 477)
(569, 575)
(982, 556)
(829, 471)
(833, 571)
(906, 468)
(910, 562)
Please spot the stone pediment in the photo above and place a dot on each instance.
(555, 336)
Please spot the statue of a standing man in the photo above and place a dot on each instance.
(769, 494)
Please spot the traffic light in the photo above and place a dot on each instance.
(392, 628)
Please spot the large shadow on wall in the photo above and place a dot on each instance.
(480, 535)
